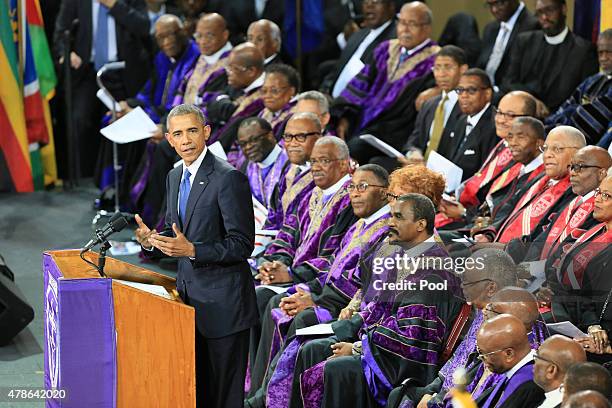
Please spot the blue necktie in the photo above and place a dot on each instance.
(403, 56)
(101, 44)
(184, 195)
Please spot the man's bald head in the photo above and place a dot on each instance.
(555, 356)
(215, 20)
(590, 166)
(587, 399)
(502, 342)
(587, 376)
(245, 65)
(570, 134)
(420, 10)
(517, 302)
(248, 55)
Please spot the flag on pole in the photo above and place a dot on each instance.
(14, 146)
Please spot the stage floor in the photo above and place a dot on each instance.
(30, 224)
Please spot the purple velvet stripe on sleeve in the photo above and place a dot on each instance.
(312, 385)
(322, 314)
(461, 354)
(279, 386)
(386, 93)
(273, 177)
(295, 225)
(377, 381)
(360, 84)
(523, 375)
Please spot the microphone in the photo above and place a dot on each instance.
(115, 224)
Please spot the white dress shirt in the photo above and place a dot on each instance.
(449, 105)
(473, 120)
(552, 399)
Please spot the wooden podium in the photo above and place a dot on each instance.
(108, 344)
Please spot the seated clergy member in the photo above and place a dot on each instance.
(578, 278)
(474, 134)
(380, 99)
(479, 285)
(524, 140)
(378, 26)
(552, 360)
(317, 103)
(266, 36)
(588, 168)
(296, 183)
(387, 337)
(208, 72)
(586, 376)
(587, 108)
(265, 158)
(177, 53)
(545, 195)
(321, 300)
(439, 114)
(504, 348)
(549, 63)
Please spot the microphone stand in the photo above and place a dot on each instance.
(102, 258)
(116, 165)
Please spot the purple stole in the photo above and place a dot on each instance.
(341, 277)
(211, 72)
(262, 186)
(523, 375)
(391, 78)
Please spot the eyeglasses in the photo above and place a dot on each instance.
(470, 90)
(577, 168)
(361, 187)
(252, 140)
(507, 115)
(548, 10)
(236, 68)
(200, 36)
(300, 137)
(536, 356)
(482, 356)
(495, 3)
(556, 149)
(272, 91)
(322, 162)
(464, 284)
(604, 196)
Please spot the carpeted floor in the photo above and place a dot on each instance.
(29, 225)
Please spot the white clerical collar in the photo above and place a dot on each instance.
(376, 31)
(534, 164)
(417, 48)
(304, 167)
(557, 39)
(512, 20)
(552, 399)
(195, 166)
(270, 58)
(588, 195)
(473, 120)
(432, 238)
(255, 84)
(270, 158)
(379, 213)
(212, 59)
(329, 191)
(524, 361)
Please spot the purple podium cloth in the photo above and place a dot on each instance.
(80, 344)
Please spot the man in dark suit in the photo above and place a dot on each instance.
(474, 135)
(504, 349)
(511, 18)
(210, 229)
(378, 26)
(119, 32)
(241, 13)
(554, 357)
(551, 63)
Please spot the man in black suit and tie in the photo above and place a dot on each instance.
(511, 18)
(210, 229)
(107, 31)
(550, 63)
(504, 349)
(474, 135)
(378, 26)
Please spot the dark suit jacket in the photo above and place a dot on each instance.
(420, 135)
(351, 46)
(239, 14)
(461, 30)
(525, 22)
(479, 143)
(219, 222)
(564, 76)
(133, 42)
